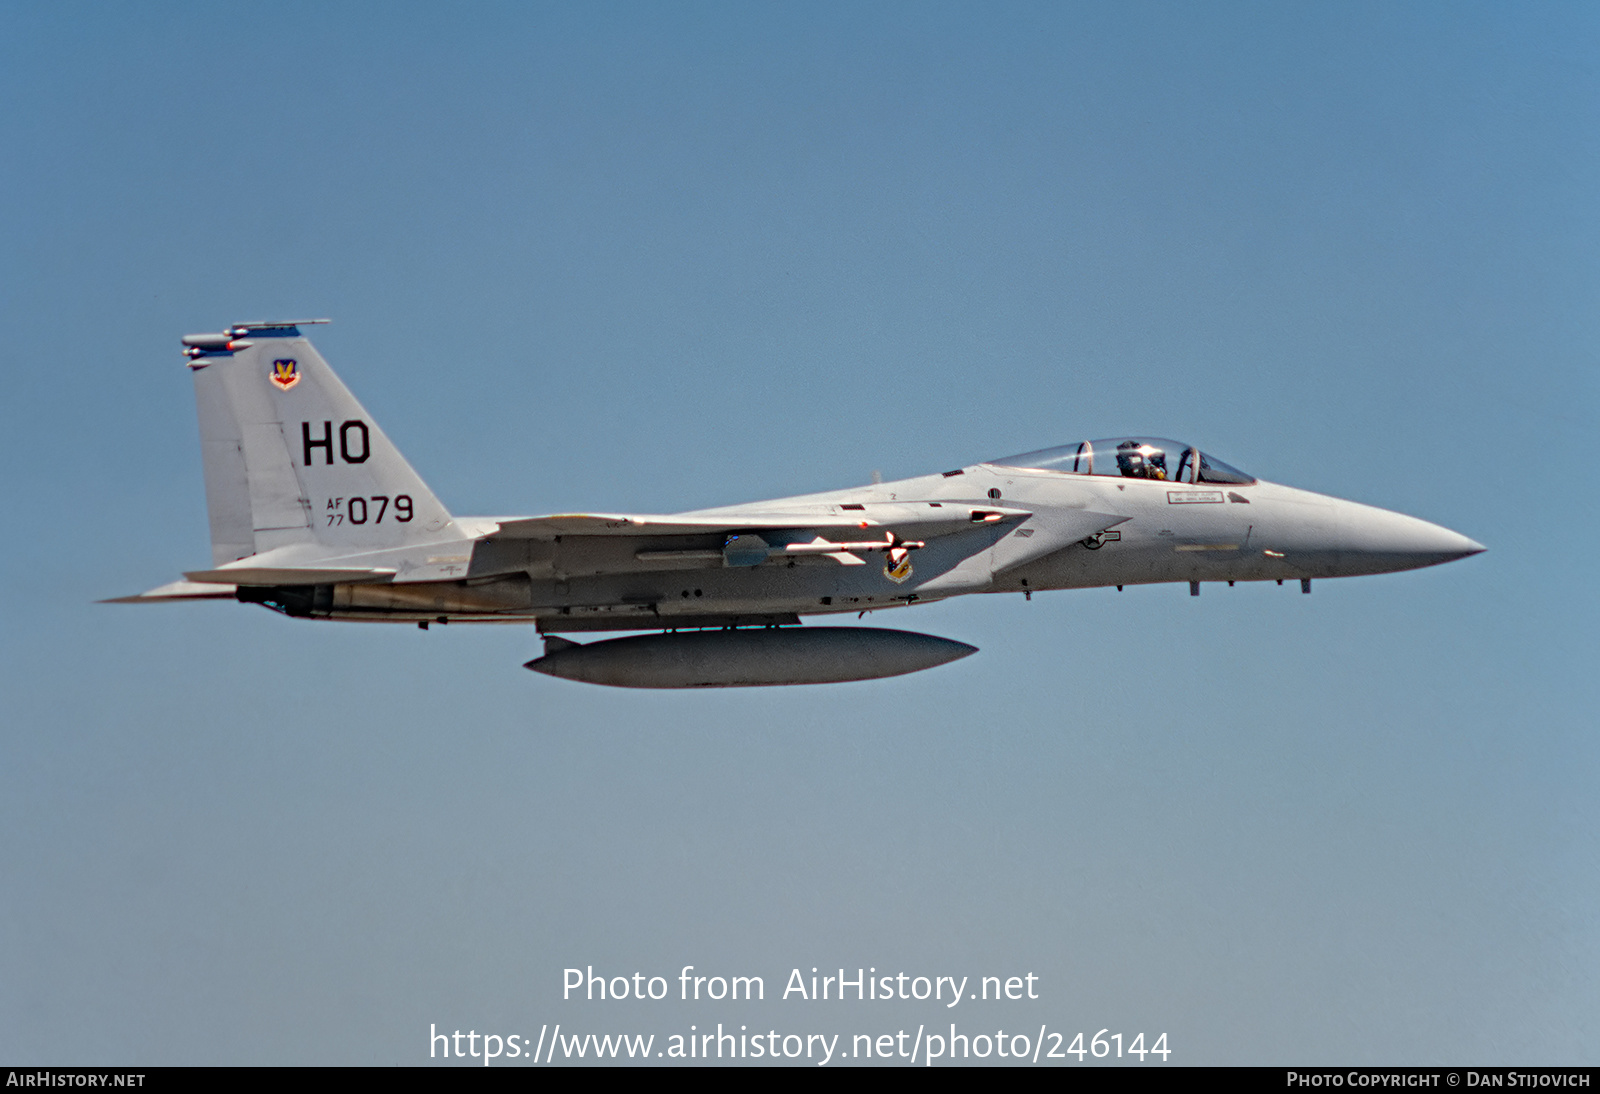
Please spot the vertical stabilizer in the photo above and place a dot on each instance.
(290, 456)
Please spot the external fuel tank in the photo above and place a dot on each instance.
(748, 657)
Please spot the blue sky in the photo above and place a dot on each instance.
(653, 257)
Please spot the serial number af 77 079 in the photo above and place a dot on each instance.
(361, 510)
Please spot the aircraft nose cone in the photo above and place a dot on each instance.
(1432, 544)
(1396, 541)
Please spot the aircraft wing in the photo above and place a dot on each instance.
(628, 524)
(602, 543)
(847, 533)
(923, 519)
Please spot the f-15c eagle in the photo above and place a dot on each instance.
(314, 513)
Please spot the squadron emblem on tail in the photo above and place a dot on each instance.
(286, 372)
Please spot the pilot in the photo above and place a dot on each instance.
(1141, 461)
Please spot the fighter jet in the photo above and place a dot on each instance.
(315, 514)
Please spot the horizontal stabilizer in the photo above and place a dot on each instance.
(178, 590)
(264, 575)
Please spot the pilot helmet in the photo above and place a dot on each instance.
(1129, 460)
(1141, 461)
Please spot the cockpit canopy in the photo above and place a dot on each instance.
(1131, 458)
